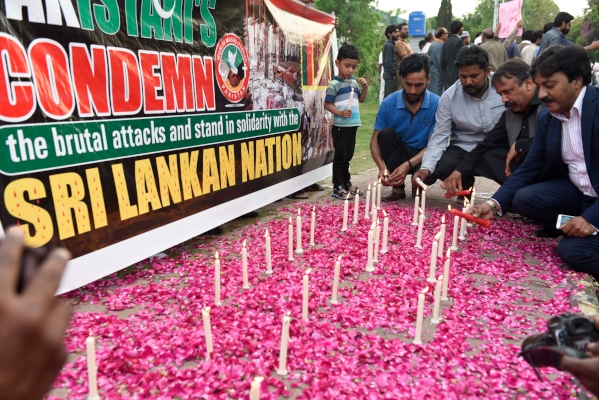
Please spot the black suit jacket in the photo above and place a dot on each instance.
(449, 52)
(544, 161)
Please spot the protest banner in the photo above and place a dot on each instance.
(510, 13)
(129, 127)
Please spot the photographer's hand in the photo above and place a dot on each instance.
(586, 370)
(32, 324)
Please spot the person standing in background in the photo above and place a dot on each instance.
(403, 48)
(391, 70)
(450, 51)
(429, 39)
(434, 53)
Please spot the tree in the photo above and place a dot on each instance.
(361, 25)
(444, 16)
(431, 23)
(535, 14)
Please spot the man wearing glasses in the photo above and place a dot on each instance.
(434, 53)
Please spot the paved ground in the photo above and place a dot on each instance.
(584, 298)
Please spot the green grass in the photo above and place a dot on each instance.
(362, 160)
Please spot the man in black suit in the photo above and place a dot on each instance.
(449, 53)
(560, 174)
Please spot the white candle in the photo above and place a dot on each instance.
(377, 240)
(472, 197)
(379, 189)
(336, 281)
(454, 242)
(442, 237)
(90, 347)
(356, 207)
(255, 389)
(433, 264)
(369, 264)
(290, 258)
(421, 184)
(416, 205)
(420, 228)
(313, 226)
(306, 297)
(244, 266)
(217, 280)
(374, 213)
(284, 344)
(298, 233)
(385, 233)
(207, 331)
(345, 212)
(423, 203)
(268, 254)
(420, 317)
(374, 190)
(446, 276)
(464, 222)
(367, 208)
(351, 99)
(436, 306)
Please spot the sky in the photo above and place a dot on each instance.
(461, 7)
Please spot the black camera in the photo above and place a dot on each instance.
(567, 334)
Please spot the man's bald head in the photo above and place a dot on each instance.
(488, 34)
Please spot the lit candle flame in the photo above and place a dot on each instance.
(207, 309)
(266, 233)
(259, 379)
(216, 255)
(288, 313)
(470, 190)
(339, 259)
(308, 271)
(437, 236)
(443, 218)
(244, 243)
(440, 278)
(299, 212)
(449, 207)
(379, 180)
(378, 221)
(347, 197)
(290, 221)
(465, 202)
(384, 213)
(369, 186)
(425, 290)
(313, 208)
(417, 192)
(448, 253)
(420, 210)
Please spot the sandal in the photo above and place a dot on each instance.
(342, 194)
(300, 194)
(315, 188)
(356, 191)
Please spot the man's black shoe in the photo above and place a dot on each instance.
(529, 221)
(543, 233)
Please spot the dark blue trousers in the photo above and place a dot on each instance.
(543, 202)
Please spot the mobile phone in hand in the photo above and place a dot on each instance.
(562, 219)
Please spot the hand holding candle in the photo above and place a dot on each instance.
(482, 222)
(460, 193)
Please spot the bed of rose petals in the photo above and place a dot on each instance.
(359, 349)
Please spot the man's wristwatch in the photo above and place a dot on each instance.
(493, 206)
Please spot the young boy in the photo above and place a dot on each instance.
(346, 118)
